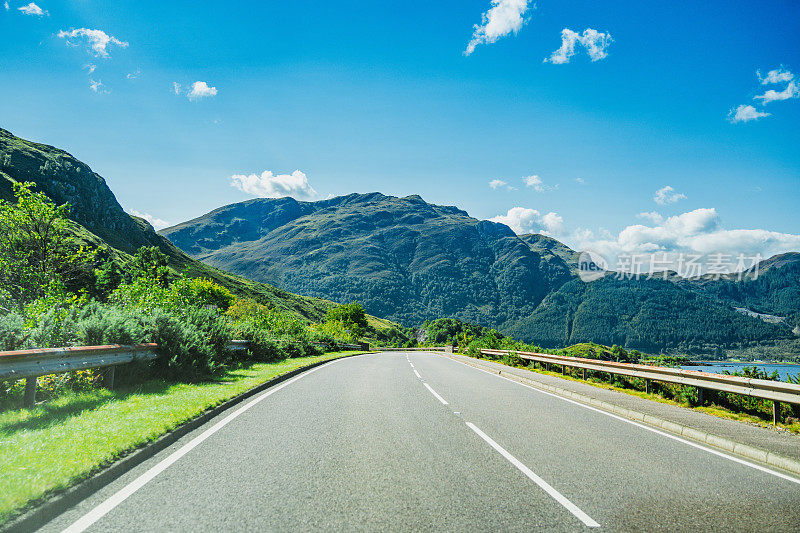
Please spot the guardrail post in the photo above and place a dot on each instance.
(647, 386)
(776, 412)
(701, 396)
(30, 392)
(583, 374)
(108, 378)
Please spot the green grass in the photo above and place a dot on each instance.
(57, 443)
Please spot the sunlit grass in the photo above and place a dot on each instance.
(57, 443)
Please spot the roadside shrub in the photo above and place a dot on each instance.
(109, 325)
(266, 318)
(263, 346)
(512, 359)
(291, 348)
(350, 317)
(333, 330)
(309, 346)
(214, 327)
(200, 292)
(51, 321)
(12, 332)
(186, 352)
(147, 294)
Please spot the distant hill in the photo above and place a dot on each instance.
(101, 220)
(412, 261)
(402, 258)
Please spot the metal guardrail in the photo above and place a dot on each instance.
(446, 349)
(31, 364)
(776, 391)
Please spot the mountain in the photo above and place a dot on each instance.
(402, 258)
(411, 261)
(100, 220)
(771, 289)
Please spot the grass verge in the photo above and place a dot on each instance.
(60, 442)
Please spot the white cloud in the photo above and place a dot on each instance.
(31, 9)
(745, 113)
(580, 180)
(497, 184)
(553, 224)
(504, 17)
(593, 41)
(779, 75)
(98, 40)
(269, 185)
(97, 86)
(176, 87)
(200, 89)
(694, 233)
(6, 5)
(157, 223)
(536, 183)
(134, 75)
(791, 91)
(522, 221)
(667, 195)
(652, 216)
(90, 67)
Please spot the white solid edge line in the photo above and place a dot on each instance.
(435, 393)
(125, 492)
(557, 496)
(648, 428)
(417, 373)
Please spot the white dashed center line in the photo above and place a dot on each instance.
(560, 498)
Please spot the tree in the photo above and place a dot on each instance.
(107, 278)
(151, 263)
(36, 250)
(352, 316)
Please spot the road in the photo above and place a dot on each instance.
(418, 441)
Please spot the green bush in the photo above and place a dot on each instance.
(109, 325)
(263, 346)
(192, 348)
(12, 332)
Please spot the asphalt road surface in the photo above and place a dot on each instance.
(418, 441)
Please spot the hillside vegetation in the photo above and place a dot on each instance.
(412, 261)
(100, 221)
(402, 258)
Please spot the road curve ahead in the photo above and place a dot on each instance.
(418, 441)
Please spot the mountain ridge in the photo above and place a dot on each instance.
(98, 219)
(412, 261)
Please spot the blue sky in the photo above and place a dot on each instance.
(361, 97)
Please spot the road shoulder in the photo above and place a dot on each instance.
(769, 447)
(40, 512)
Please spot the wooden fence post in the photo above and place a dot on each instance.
(108, 378)
(30, 392)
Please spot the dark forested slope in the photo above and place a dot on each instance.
(413, 261)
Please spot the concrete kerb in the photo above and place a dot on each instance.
(736, 448)
(56, 503)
